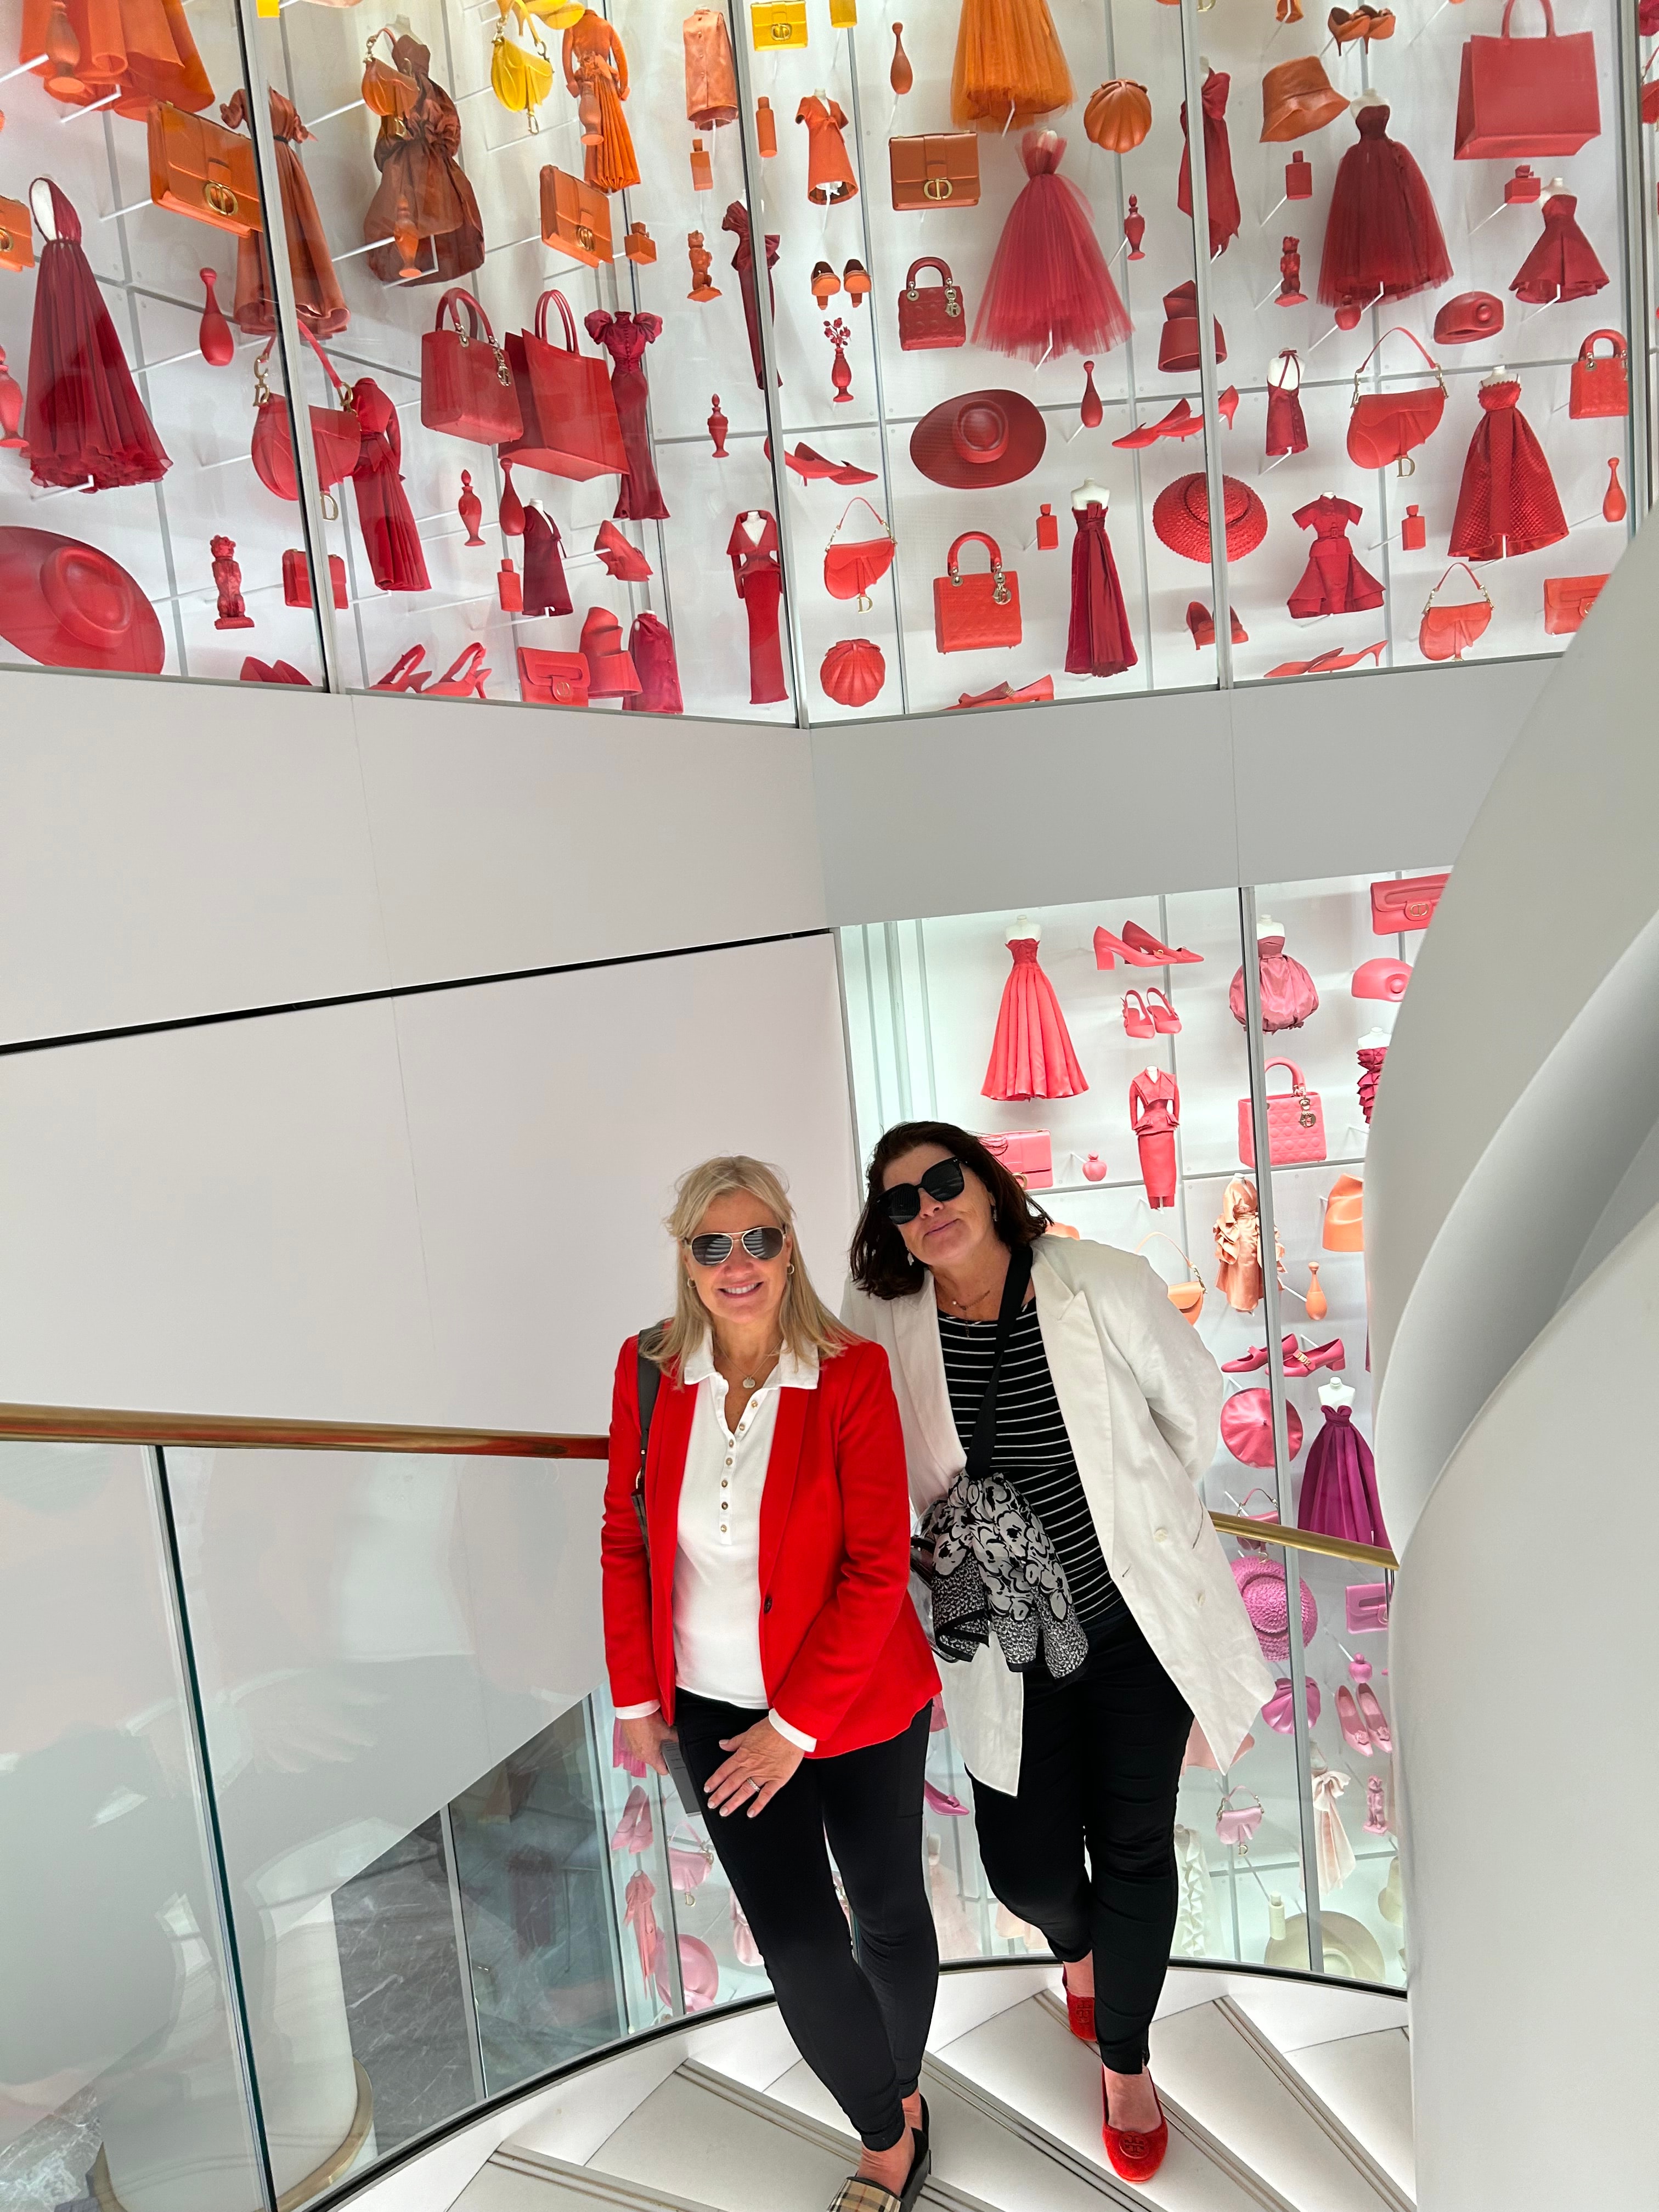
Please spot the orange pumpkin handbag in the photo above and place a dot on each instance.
(1119, 116)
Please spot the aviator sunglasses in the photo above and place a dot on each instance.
(715, 1251)
(903, 1201)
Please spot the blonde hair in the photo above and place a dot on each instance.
(806, 1322)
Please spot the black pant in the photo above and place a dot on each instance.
(1100, 1764)
(861, 2022)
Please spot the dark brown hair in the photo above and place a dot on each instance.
(881, 1263)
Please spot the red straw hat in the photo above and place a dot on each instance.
(853, 671)
(1181, 516)
(68, 606)
(984, 438)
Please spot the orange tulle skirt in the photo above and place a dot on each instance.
(1008, 56)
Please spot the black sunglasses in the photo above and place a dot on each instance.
(902, 1201)
(714, 1251)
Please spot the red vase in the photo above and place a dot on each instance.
(718, 426)
(469, 508)
(841, 373)
(1135, 229)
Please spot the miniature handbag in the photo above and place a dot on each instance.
(520, 77)
(1401, 902)
(1118, 116)
(1386, 426)
(551, 680)
(1237, 1824)
(1567, 600)
(337, 435)
(931, 314)
(1367, 1606)
(466, 385)
(389, 91)
(1027, 1155)
(1445, 632)
(777, 23)
(850, 570)
(937, 169)
(576, 216)
(198, 168)
(1295, 1122)
(975, 613)
(16, 235)
(571, 427)
(1188, 1297)
(689, 1862)
(1518, 97)
(1600, 382)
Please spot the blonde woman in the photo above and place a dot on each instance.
(756, 1608)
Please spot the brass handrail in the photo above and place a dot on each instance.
(1306, 1540)
(80, 1424)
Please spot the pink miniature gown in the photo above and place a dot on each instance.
(1049, 291)
(1339, 1484)
(1155, 1115)
(1334, 582)
(625, 337)
(1031, 1055)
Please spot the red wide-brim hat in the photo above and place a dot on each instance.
(67, 605)
(983, 438)
(1181, 516)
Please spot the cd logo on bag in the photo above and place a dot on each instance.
(584, 238)
(936, 188)
(220, 198)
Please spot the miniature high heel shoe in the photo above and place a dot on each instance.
(463, 678)
(1165, 1020)
(1201, 623)
(1375, 1719)
(1137, 1022)
(1257, 1357)
(1226, 404)
(808, 465)
(1163, 956)
(1352, 1727)
(1179, 423)
(1331, 1355)
(1109, 949)
(825, 283)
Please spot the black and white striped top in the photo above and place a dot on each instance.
(1032, 1449)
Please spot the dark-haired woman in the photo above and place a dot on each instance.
(1057, 1413)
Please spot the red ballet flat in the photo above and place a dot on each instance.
(1135, 2153)
(1163, 955)
(1079, 2012)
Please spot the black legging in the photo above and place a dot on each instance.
(859, 2023)
(1100, 1764)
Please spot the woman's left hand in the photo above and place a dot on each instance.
(762, 1761)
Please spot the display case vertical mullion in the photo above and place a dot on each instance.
(1261, 1144)
(1637, 248)
(289, 347)
(755, 192)
(1193, 83)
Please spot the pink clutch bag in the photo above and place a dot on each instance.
(1027, 1155)
(1296, 1123)
(1406, 902)
(1368, 1607)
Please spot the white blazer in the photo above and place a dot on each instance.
(1141, 1400)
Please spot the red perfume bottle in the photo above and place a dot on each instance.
(1135, 229)
(1413, 531)
(1299, 178)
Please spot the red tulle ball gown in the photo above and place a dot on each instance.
(1031, 1055)
(1098, 642)
(84, 423)
(1220, 192)
(1382, 236)
(383, 514)
(1049, 291)
(1507, 502)
(625, 337)
(1339, 1484)
(1334, 582)
(1563, 264)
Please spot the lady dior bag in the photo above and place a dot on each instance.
(931, 314)
(1295, 1122)
(1518, 97)
(1600, 382)
(571, 427)
(1386, 426)
(975, 613)
(466, 385)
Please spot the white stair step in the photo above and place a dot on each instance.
(1366, 2081)
(1028, 2061)
(516, 2181)
(1224, 2071)
(703, 2136)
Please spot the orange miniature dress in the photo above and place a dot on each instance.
(711, 77)
(424, 202)
(317, 298)
(1009, 66)
(830, 176)
(142, 49)
(595, 77)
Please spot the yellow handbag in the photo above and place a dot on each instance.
(520, 77)
(777, 23)
(843, 15)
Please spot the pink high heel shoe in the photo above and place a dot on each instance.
(1352, 1727)
(1165, 1020)
(1163, 956)
(1375, 1719)
(1331, 1355)
(1109, 949)
(1137, 1022)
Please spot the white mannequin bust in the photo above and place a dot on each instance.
(1334, 1395)
(1089, 490)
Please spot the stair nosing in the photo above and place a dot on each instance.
(1284, 2069)
(592, 2180)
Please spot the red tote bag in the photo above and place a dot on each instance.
(466, 385)
(1524, 96)
(570, 423)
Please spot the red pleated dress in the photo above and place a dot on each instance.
(1098, 642)
(1031, 1055)
(1507, 502)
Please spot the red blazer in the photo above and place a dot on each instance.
(842, 1653)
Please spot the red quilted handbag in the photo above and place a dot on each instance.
(1296, 1123)
(1600, 382)
(931, 314)
(466, 386)
(975, 613)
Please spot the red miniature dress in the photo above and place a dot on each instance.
(1049, 291)
(318, 299)
(1507, 502)
(545, 590)
(625, 337)
(83, 419)
(650, 646)
(1334, 582)
(1098, 642)
(1287, 428)
(1382, 236)
(1031, 1055)
(830, 176)
(736, 219)
(423, 192)
(1155, 1115)
(384, 513)
(1562, 265)
(1220, 192)
(757, 572)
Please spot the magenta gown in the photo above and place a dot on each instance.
(1338, 1484)
(1031, 1055)
(84, 419)
(625, 337)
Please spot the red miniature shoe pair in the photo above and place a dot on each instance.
(1138, 948)
(1180, 423)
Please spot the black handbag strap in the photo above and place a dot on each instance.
(985, 1422)
(649, 1379)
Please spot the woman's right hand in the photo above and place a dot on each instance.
(644, 1737)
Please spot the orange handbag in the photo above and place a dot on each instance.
(1567, 600)
(978, 611)
(198, 168)
(1119, 116)
(16, 235)
(939, 170)
(575, 215)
